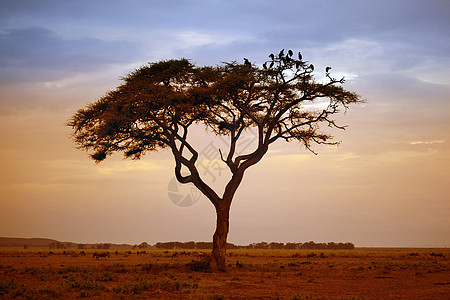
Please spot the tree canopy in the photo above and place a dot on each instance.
(157, 103)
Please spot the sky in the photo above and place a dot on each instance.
(385, 185)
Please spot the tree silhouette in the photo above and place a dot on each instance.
(159, 103)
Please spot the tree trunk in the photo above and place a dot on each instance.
(220, 239)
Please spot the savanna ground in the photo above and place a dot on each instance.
(251, 274)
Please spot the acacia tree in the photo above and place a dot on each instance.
(159, 103)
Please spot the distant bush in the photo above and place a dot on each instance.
(200, 266)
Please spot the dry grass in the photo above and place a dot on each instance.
(252, 274)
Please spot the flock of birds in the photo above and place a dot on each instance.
(286, 59)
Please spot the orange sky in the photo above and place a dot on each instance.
(385, 185)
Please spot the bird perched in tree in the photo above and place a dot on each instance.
(327, 69)
(300, 56)
(290, 53)
(272, 56)
(281, 54)
(311, 66)
(265, 66)
(247, 63)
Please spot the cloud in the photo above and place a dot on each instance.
(406, 34)
(38, 54)
(403, 95)
(427, 142)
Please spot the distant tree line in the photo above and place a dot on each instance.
(67, 245)
(208, 245)
(59, 245)
(262, 245)
(190, 245)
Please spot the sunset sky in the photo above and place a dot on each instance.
(387, 184)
